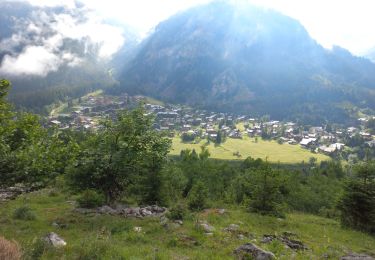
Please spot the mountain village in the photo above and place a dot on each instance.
(194, 125)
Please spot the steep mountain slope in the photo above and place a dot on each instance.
(50, 53)
(248, 60)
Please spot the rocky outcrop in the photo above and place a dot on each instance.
(355, 256)
(136, 212)
(11, 193)
(286, 240)
(250, 250)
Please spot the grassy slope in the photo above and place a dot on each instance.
(275, 152)
(113, 237)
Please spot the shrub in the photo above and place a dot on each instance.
(36, 249)
(90, 199)
(178, 212)
(198, 196)
(24, 213)
(9, 250)
(357, 204)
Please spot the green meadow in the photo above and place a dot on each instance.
(270, 150)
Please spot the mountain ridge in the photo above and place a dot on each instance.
(245, 60)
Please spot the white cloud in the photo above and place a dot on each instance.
(109, 38)
(34, 60)
(41, 38)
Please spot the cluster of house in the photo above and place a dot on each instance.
(208, 125)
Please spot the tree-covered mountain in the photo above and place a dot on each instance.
(54, 53)
(246, 59)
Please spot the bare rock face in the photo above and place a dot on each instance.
(54, 240)
(250, 250)
(355, 256)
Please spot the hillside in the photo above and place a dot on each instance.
(110, 237)
(248, 60)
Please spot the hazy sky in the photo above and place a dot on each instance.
(348, 23)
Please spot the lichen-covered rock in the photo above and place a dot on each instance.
(136, 212)
(232, 228)
(290, 243)
(206, 227)
(250, 250)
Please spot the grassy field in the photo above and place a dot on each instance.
(111, 237)
(274, 152)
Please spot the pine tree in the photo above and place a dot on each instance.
(357, 204)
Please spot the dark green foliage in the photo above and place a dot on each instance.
(29, 153)
(24, 213)
(126, 152)
(173, 184)
(187, 137)
(36, 249)
(357, 204)
(178, 212)
(219, 138)
(266, 197)
(197, 197)
(90, 199)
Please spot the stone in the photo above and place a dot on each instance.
(290, 243)
(256, 253)
(145, 212)
(268, 239)
(54, 240)
(178, 222)
(125, 211)
(232, 228)
(207, 228)
(106, 210)
(355, 256)
(293, 244)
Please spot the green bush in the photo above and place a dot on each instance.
(90, 199)
(36, 249)
(198, 196)
(24, 213)
(178, 212)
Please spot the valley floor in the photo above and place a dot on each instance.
(110, 237)
(270, 150)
